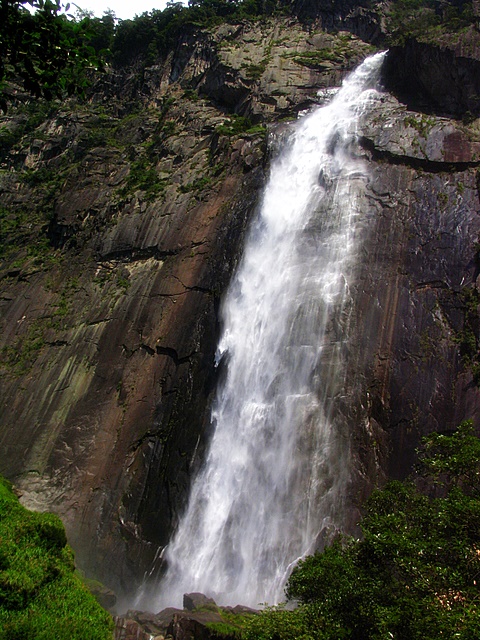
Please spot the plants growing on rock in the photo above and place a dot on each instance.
(426, 19)
(238, 125)
(467, 337)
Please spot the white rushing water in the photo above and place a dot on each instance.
(277, 471)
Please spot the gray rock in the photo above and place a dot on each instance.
(192, 601)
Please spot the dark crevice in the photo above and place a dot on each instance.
(431, 166)
(93, 323)
(136, 254)
(434, 284)
(200, 289)
(172, 353)
(164, 295)
(61, 389)
(194, 288)
(58, 343)
(127, 351)
(149, 350)
(149, 435)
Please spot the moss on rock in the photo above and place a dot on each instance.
(40, 597)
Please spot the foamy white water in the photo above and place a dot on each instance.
(277, 471)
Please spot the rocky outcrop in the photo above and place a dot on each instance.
(267, 70)
(200, 618)
(416, 293)
(441, 76)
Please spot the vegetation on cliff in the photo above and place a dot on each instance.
(51, 53)
(414, 574)
(428, 20)
(46, 51)
(40, 596)
(151, 35)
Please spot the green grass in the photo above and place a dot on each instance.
(40, 597)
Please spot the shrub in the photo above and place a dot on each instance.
(414, 573)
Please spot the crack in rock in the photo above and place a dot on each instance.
(430, 166)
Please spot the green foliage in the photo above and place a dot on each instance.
(342, 47)
(421, 123)
(23, 238)
(315, 59)
(190, 94)
(224, 629)
(47, 51)
(467, 336)
(239, 125)
(414, 574)
(255, 71)
(143, 177)
(278, 623)
(40, 597)
(453, 459)
(197, 185)
(427, 19)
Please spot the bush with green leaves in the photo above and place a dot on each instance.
(415, 574)
(48, 51)
(427, 19)
(40, 596)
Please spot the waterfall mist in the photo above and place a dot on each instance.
(275, 480)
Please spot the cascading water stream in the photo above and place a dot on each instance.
(278, 467)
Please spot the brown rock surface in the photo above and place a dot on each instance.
(127, 214)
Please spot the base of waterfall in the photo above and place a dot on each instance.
(200, 618)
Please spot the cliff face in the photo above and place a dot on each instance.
(122, 219)
(417, 320)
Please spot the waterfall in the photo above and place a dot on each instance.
(275, 480)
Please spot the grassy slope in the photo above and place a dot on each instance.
(40, 597)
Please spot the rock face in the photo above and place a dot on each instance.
(416, 292)
(200, 618)
(441, 78)
(122, 220)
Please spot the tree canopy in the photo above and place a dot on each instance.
(415, 574)
(44, 49)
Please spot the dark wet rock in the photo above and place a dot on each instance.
(126, 629)
(438, 77)
(201, 619)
